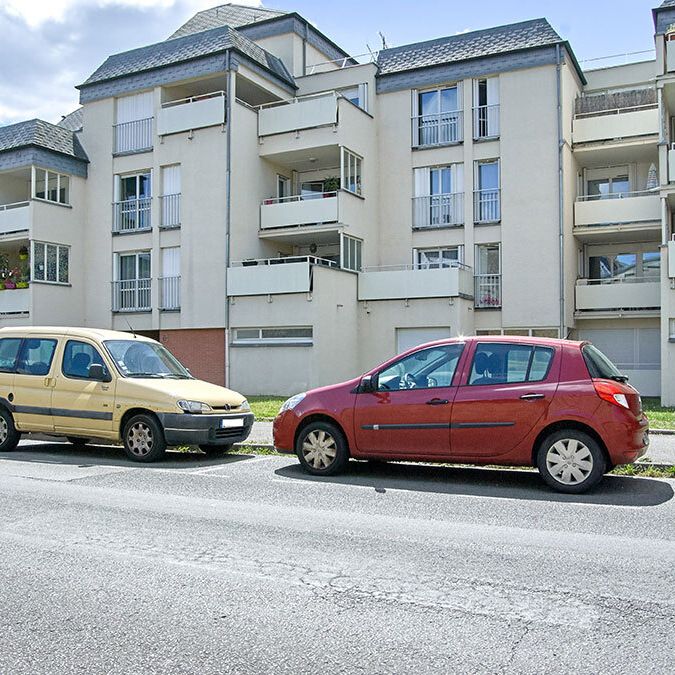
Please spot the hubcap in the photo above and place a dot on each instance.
(139, 439)
(319, 449)
(569, 461)
(4, 430)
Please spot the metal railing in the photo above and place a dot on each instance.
(132, 215)
(486, 206)
(344, 62)
(486, 121)
(620, 280)
(312, 260)
(170, 210)
(618, 59)
(169, 293)
(299, 198)
(133, 136)
(441, 264)
(441, 210)
(193, 99)
(437, 129)
(14, 205)
(330, 93)
(488, 290)
(132, 295)
(654, 192)
(615, 111)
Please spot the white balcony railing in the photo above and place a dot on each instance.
(627, 207)
(132, 295)
(621, 293)
(437, 129)
(438, 210)
(486, 206)
(486, 121)
(170, 211)
(169, 293)
(488, 291)
(193, 112)
(304, 112)
(132, 215)
(14, 217)
(299, 210)
(15, 301)
(133, 136)
(618, 123)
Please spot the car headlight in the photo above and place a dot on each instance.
(290, 403)
(194, 407)
(245, 406)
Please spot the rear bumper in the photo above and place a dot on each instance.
(186, 429)
(627, 444)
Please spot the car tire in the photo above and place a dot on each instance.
(9, 436)
(322, 449)
(143, 439)
(215, 450)
(77, 442)
(571, 461)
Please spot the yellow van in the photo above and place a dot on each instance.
(99, 384)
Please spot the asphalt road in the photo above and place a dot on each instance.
(247, 565)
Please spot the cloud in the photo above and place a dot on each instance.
(49, 46)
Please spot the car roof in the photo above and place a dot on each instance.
(93, 333)
(516, 339)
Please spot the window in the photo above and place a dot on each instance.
(486, 108)
(292, 335)
(435, 258)
(497, 363)
(9, 350)
(439, 196)
(351, 253)
(358, 95)
(133, 131)
(426, 369)
(487, 208)
(437, 116)
(525, 332)
(132, 202)
(633, 266)
(312, 189)
(51, 186)
(283, 187)
(51, 263)
(169, 288)
(134, 266)
(77, 357)
(132, 287)
(488, 259)
(351, 172)
(608, 183)
(171, 194)
(35, 356)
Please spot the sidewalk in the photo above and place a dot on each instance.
(661, 448)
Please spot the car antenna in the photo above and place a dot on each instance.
(133, 332)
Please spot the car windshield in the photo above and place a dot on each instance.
(136, 358)
(600, 366)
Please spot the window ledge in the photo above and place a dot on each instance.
(65, 284)
(271, 344)
(436, 145)
(49, 201)
(139, 230)
(132, 152)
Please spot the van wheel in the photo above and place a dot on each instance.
(9, 436)
(571, 461)
(143, 439)
(322, 449)
(215, 450)
(77, 442)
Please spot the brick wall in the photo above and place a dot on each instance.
(200, 350)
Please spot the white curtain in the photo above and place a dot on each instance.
(423, 182)
(171, 180)
(171, 261)
(132, 108)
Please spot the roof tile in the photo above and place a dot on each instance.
(41, 134)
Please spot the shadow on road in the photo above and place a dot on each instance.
(482, 482)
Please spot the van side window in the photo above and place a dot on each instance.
(9, 350)
(77, 357)
(510, 363)
(35, 357)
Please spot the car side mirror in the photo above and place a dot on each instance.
(98, 372)
(368, 384)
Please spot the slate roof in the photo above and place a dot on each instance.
(72, 121)
(186, 48)
(226, 15)
(667, 3)
(499, 40)
(41, 134)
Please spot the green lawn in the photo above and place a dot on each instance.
(659, 417)
(265, 407)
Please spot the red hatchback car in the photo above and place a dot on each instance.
(559, 405)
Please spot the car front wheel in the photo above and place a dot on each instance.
(322, 449)
(143, 439)
(571, 461)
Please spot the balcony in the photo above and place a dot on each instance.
(194, 112)
(616, 124)
(132, 295)
(488, 291)
(486, 121)
(632, 210)
(15, 217)
(169, 294)
(629, 294)
(273, 275)
(409, 282)
(438, 129)
(131, 215)
(132, 137)
(169, 211)
(15, 301)
(487, 206)
(444, 210)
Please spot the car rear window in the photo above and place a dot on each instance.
(510, 363)
(599, 365)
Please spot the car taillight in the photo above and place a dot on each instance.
(611, 392)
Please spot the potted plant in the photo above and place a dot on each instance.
(331, 184)
(23, 253)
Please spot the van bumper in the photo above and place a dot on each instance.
(186, 429)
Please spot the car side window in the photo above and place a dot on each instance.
(9, 350)
(510, 363)
(35, 356)
(77, 357)
(425, 369)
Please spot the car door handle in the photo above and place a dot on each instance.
(438, 401)
(531, 397)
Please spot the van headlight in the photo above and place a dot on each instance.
(194, 407)
(245, 406)
(290, 403)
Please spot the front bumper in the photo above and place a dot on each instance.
(186, 429)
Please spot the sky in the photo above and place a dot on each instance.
(49, 46)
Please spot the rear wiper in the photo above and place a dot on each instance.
(619, 378)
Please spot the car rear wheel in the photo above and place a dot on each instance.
(9, 436)
(322, 449)
(215, 450)
(571, 461)
(143, 439)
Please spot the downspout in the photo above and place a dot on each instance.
(561, 192)
(228, 164)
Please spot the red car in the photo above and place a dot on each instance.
(559, 405)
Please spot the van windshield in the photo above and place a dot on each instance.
(134, 358)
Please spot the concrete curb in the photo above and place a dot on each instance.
(662, 432)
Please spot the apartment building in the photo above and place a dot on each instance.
(282, 215)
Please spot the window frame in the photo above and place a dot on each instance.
(261, 341)
(46, 178)
(346, 157)
(53, 340)
(531, 346)
(16, 356)
(106, 368)
(34, 260)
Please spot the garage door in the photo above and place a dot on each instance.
(406, 338)
(635, 351)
